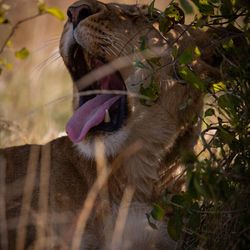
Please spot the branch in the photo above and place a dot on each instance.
(15, 27)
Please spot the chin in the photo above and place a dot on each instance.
(113, 144)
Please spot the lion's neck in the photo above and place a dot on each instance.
(139, 165)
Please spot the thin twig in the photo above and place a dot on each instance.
(27, 197)
(121, 218)
(42, 219)
(103, 173)
(15, 27)
(3, 222)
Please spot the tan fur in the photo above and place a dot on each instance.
(145, 159)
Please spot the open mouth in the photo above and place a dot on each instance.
(102, 112)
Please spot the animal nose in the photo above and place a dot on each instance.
(77, 13)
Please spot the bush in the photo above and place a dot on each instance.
(213, 212)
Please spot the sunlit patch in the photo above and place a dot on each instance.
(155, 40)
(133, 108)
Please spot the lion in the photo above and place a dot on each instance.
(123, 148)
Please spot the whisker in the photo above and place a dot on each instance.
(111, 51)
(113, 92)
(118, 35)
(115, 42)
(125, 46)
(104, 49)
(46, 105)
(53, 55)
(46, 45)
(55, 59)
(115, 48)
(84, 93)
(123, 50)
(52, 58)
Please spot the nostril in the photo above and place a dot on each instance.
(78, 13)
(84, 13)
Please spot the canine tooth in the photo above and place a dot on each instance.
(107, 118)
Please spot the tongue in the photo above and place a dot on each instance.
(89, 115)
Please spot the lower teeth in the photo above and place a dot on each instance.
(107, 118)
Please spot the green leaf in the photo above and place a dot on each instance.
(228, 44)
(5, 64)
(185, 4)
(153, 225)
(41, 7)
(8, 66)
(9, 44)
(175, 227)
(197, 51)
(225, 136)
(226, 8)
(22, 54)
(54, 11)
(219, 86)
(209, 112)
(143, 43)
(152, 92)
(165, 24)
(158, 212)
(139, 64)
(195, 217)
(4, 8)
(189, 76)
(151, 8)
(229, 103)
(3, 20)
(204, 7)
(187, 56)
(174, 13)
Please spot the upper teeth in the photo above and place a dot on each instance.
(107, 118)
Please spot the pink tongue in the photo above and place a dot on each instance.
(88, 116)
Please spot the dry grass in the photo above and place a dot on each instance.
(27, 197)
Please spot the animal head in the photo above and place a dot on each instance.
(126, 82)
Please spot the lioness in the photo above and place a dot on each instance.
(142, 140)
